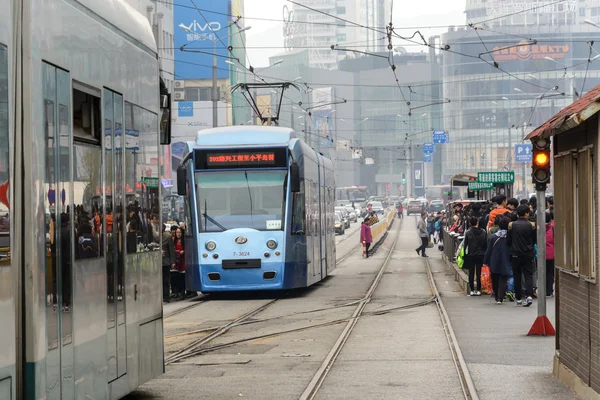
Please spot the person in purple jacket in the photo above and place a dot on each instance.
(365, 235)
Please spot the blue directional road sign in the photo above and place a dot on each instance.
(427, 157)
(523, 152)
(440, 136)
(428, 148)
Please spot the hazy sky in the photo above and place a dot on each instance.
(407, 13)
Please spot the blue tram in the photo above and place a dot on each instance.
(259, 207)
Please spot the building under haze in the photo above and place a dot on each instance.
(318, 28)
(505, 76)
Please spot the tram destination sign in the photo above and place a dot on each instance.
(496, 177)
(242, 158)
(480, 185)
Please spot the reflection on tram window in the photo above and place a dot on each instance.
(141, 180)
(298, 213)
(50, 207)
(87, 175)
(4, 160)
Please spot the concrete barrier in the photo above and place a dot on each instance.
(379, 229)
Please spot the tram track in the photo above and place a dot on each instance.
(202, 298)
(466, 381)
(319, 377)
(198, 347)
(467, 385)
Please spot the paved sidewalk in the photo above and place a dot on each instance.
(504, 362)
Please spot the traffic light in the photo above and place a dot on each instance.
(404, 178)
(540, 168)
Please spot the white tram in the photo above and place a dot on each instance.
(80, 260)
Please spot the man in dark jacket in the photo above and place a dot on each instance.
(475, 247)
(521, 241)
(497, 257)
(168, 262)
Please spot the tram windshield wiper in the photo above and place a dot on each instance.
(211, 219)
(250, 196)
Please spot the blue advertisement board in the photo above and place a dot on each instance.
(197, 34)
(185, 109)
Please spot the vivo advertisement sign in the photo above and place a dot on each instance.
(197, 35)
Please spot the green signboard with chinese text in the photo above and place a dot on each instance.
(496, 177)
(480, 185)
(151, 183)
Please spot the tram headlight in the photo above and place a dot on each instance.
(210, 246)
(272, 244)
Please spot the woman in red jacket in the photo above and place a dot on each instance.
(549, 255)
(365, 235)
(178, 271)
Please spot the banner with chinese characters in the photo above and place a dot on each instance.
(496, 177)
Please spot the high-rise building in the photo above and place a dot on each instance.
(324, 25)
(520, 63)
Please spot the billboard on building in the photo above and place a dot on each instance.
(197, 31)
(192, 116)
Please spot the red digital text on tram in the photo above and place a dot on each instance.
(248, 158)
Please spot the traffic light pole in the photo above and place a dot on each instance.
(541, 176)
(541, 243)
(542, 325)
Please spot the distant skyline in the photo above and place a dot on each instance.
(420, 14)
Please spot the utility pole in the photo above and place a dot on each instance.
(215, 93)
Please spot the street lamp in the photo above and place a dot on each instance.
(215, 96)
(589, 22)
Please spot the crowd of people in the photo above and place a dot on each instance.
(501, 236)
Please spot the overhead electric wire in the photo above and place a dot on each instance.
(589, 61)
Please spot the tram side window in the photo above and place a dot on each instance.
(87, 173)
(4, 160)
(298, 213)
(142, 178)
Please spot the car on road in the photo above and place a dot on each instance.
(377, 206)
(351, 213)
(339, 224)
(414, 207)
(344, 214)
(436, 206)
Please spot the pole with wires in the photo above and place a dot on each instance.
(215, 93)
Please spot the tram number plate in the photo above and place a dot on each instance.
(241, 254)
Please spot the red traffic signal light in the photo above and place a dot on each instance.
(541, 163)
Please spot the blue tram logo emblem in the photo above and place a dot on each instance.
(241, 239)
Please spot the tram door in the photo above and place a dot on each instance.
(315, 228)
(115, 215)
(58, 223)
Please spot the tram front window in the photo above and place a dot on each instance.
(241, 199)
